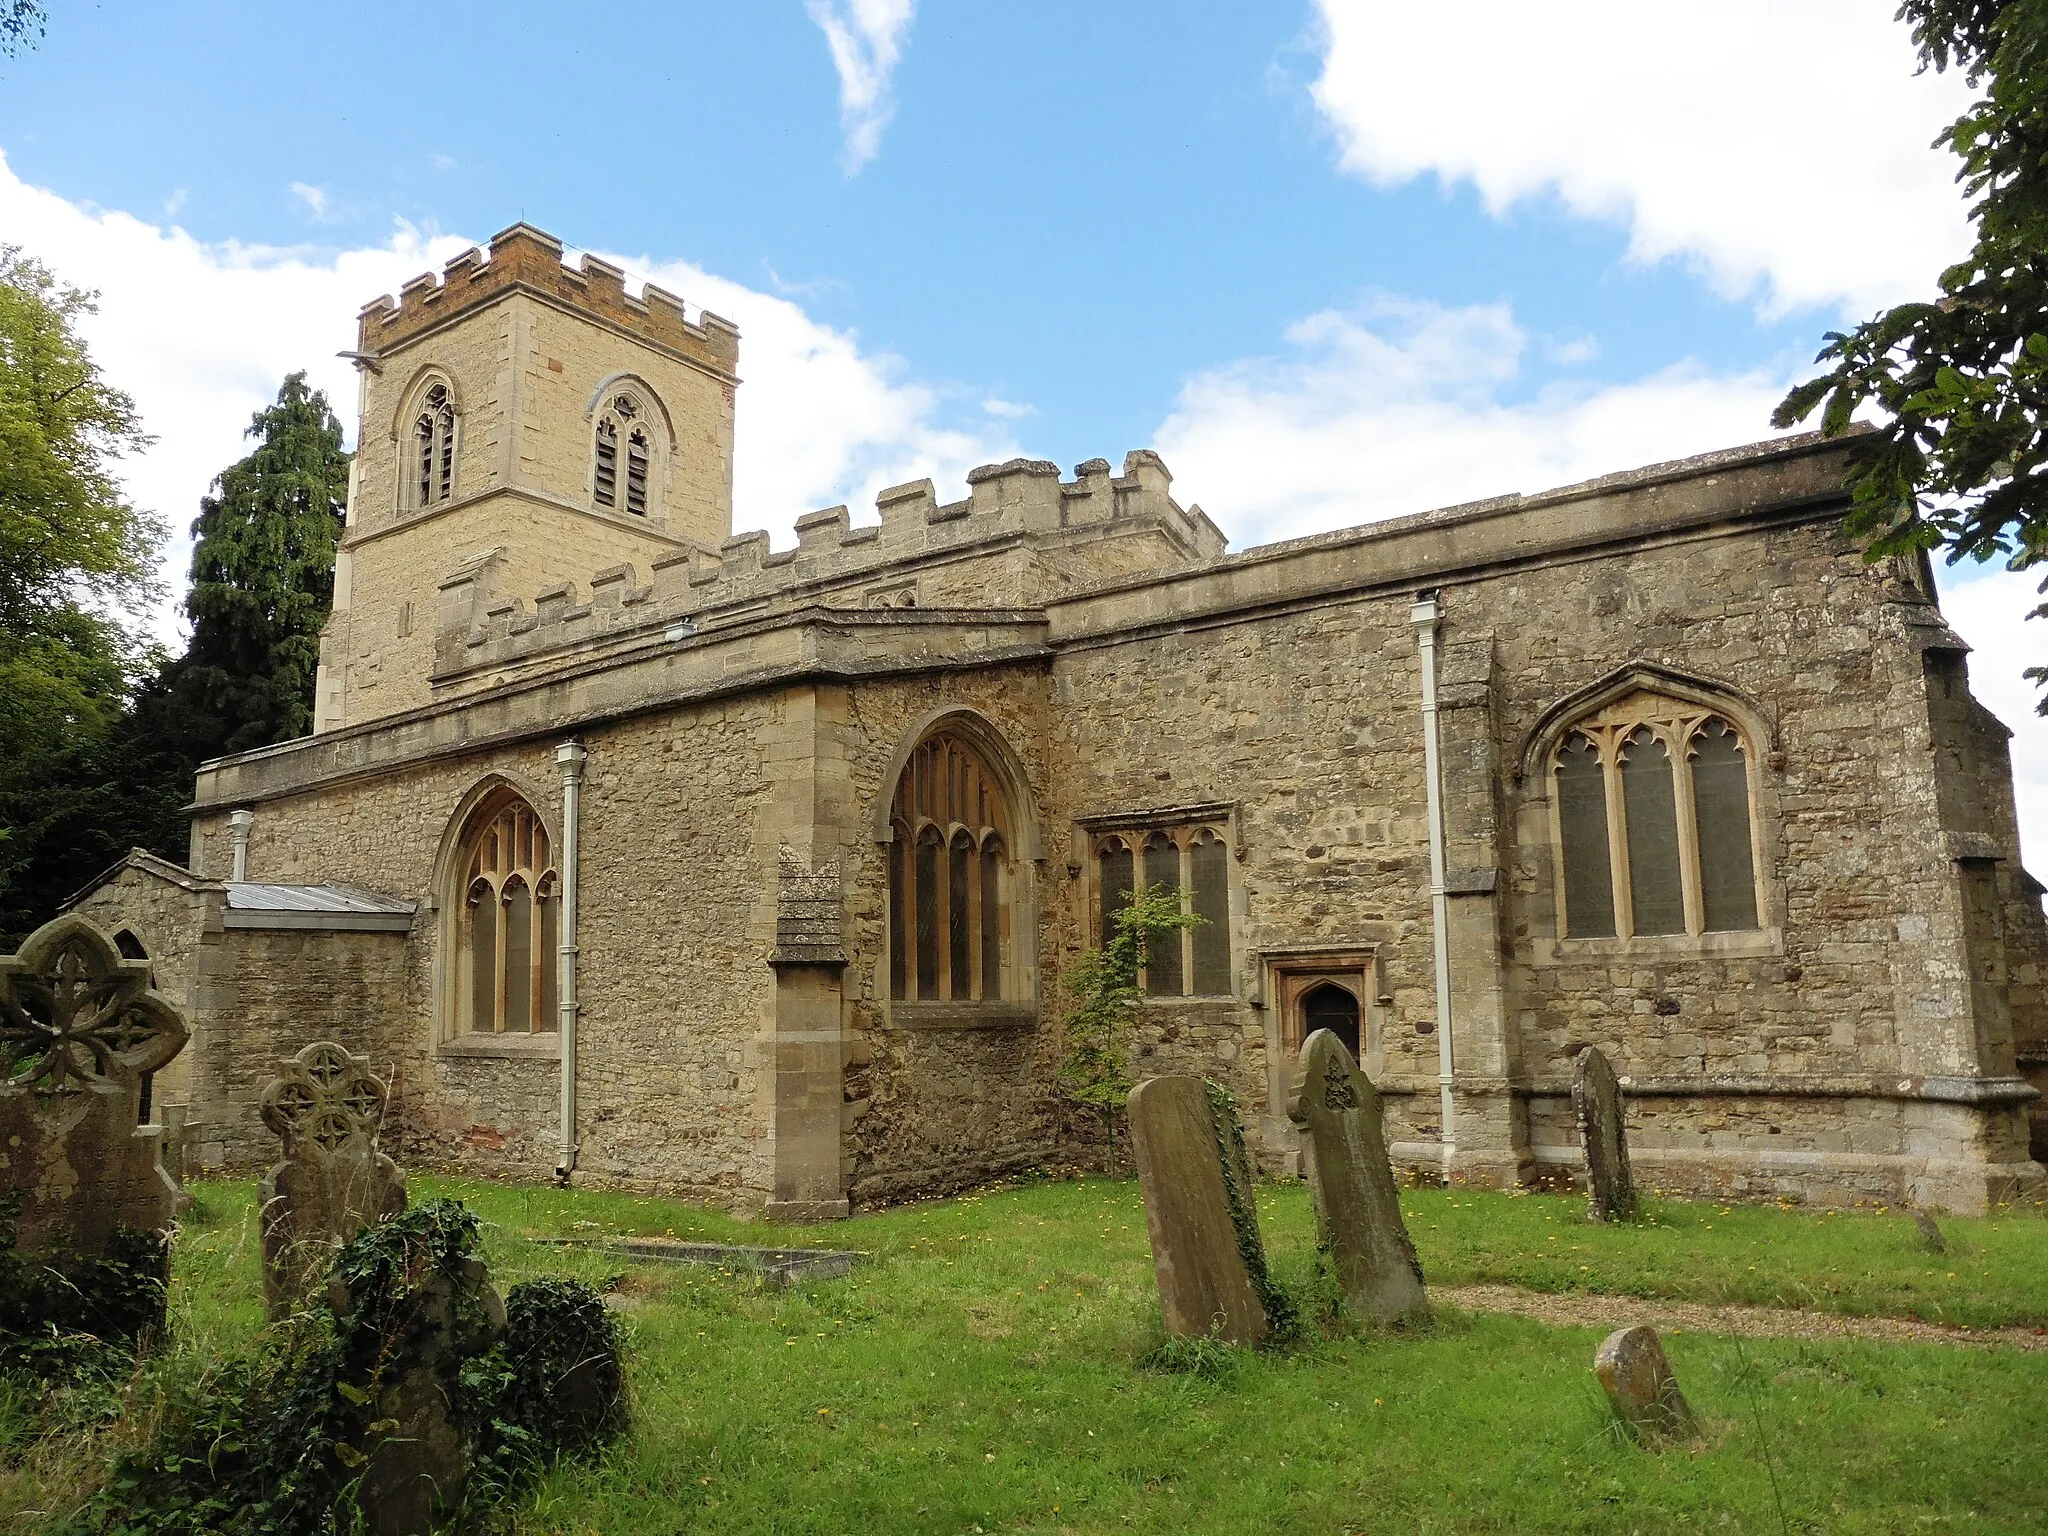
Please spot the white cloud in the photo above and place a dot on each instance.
(201, 334)
(1009, 410)
(1988, 608)
(866, 39)
(1781, 148)
(315, 198)
(1402, 406)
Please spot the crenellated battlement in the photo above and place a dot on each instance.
(921, 553)
(525, 257)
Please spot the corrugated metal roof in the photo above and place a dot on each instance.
(244, 896)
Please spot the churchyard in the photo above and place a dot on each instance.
(993, 1362)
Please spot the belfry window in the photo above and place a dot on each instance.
(509, 939)
(950, 878)
(1194, 863)
(623, 458)
(433, 433)
(1655, 823)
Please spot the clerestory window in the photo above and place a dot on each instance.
(950, 878)
(433, 433)
(509, 938)
(623, 459)
(1193, 861)
(1656, 822)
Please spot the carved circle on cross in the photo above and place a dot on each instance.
(325, 1099)
(75, 1015)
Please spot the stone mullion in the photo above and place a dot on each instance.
(942, 930)
(498, 966)
(1610, 740)
(976, 987)
(1690, 889)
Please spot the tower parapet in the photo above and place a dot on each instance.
(528, 258)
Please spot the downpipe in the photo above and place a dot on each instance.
(1426, 615)
(569, 756)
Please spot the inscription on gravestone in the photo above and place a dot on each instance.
(334, 1181)
(1201, 1247)
(79, 1027)
(1358, 1209)
(1596, 1096)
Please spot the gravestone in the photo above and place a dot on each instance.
(1199, 1211)
(1358, 1210)
(327, 1106)
(80, 1026)
(1596, 1097)
(1631, 1366)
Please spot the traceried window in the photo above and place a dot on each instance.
(433, 448)
(509, 938)
(1194, 863)
(1655, 818)
(623, 458)
(950, 878)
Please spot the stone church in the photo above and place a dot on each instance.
(644, 854)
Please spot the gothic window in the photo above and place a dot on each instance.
(509, 939)
(950, 877)
(1194, 863)
(623, 458)
(433, 439)
(1655, 822)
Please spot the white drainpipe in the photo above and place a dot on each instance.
(239, 823)
(1425, 616)
(569, 755)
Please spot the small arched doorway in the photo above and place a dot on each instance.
(1329, 1006)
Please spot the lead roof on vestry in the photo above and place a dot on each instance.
(253, 905)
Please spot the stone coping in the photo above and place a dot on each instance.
(778, 1267)
(936, 1015)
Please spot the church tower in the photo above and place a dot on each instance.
(522, 423)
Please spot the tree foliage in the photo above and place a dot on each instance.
(21, 25)
(1961, 459)
(1095, 1070)
(75, 560)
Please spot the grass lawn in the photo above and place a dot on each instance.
(983, 1372)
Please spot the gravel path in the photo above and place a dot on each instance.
(1582, 1310)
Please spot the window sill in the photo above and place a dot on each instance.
(545, 1046)
(1191, 1000)
(935, 1015)
(1745, 944)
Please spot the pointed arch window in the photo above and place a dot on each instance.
(433, 448)
(508, 941)
(623, 458)
(950, 878)
(1655, 820)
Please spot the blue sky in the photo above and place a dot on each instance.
(1337, 259)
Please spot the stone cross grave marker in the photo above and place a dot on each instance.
(1631, 1366)
(334, 1181)
(1202, 1240)
(79, 1027)
(1358, 1210)
(1596, 1096)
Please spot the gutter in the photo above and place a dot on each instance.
(570, 756)
(1425, 616)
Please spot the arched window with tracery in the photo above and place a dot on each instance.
(508, 933)
(433, 447)
(623, 454)
(1655, 815)
(950, 878)
(1193, 862)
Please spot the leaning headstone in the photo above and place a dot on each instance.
(1358, 1210)
(327, 1106)
(1931, 1237)
(1199, 1211)
(1631, 1366)
(79, 1027)
(1596, 1096)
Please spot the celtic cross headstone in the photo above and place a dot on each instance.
(80, 1025)
(1603, 1129)
(327, 1106)
(1358, 1210)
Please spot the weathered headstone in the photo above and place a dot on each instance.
(1358, 1210)
(1631, 1366)
(1596, 1096)
(79, 1027)
(334, 1181)
(1931, 1237)
(1199, 1211)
